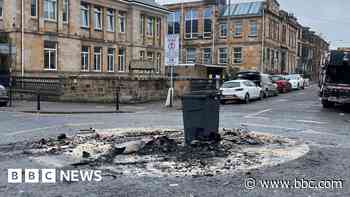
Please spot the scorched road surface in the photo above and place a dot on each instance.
(295, 115)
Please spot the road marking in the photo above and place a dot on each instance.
(282, 100)
(30, 130)
(258, 113)
(269, 126)
(255, 117)
(311, 121)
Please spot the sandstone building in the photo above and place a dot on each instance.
(85, 39)
(254, 35)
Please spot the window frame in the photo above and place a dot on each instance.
(158, 26)
(66, 4)
(110, 20)
(158, 63)
(174, 22)
(85, 9)
(193, 60)
(150, 26)
(85, 64)
(210, 56)
(221, 25)
(235, 53)
(142, 24)
(253, 28)
(122, 56)
(220, 58)
(50, 50)
(97, 54)
(36, 8)
(191, 17)
(110, 59)
(98, 16)
(122, 22)
(240, 25)
(150, 56)
(142, 55)
(46, 6)
(205, 19)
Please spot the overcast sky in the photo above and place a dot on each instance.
(330, 18)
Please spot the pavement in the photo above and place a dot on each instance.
(297, 115)
(75, 108)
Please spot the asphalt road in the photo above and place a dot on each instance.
(296, 115)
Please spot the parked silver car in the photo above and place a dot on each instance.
(3, 96)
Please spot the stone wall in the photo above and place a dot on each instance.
(102, 89)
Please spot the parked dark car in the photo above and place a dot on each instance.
(262, 80)
(283, 86)
(4, 99)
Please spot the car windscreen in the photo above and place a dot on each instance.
(249, 76)
(231, 85)
(292, 77)
(276, 78)
(338, 74)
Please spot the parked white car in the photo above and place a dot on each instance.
(242, 90)
(296, 81)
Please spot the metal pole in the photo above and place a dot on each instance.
(262, 40)
(22, 38)
(10, 92)
(172, 86)
(38, 102)
(117, 98)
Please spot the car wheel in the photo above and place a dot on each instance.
(247, 99)
(327, 104)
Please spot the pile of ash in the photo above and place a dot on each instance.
(157, 152)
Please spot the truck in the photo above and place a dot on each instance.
(335, 79)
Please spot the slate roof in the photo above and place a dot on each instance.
(242, 9)
(151, 3)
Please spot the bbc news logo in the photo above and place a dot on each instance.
(52, 175)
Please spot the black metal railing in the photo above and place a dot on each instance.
(34, 85)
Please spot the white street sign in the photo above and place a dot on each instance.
(172, 49)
